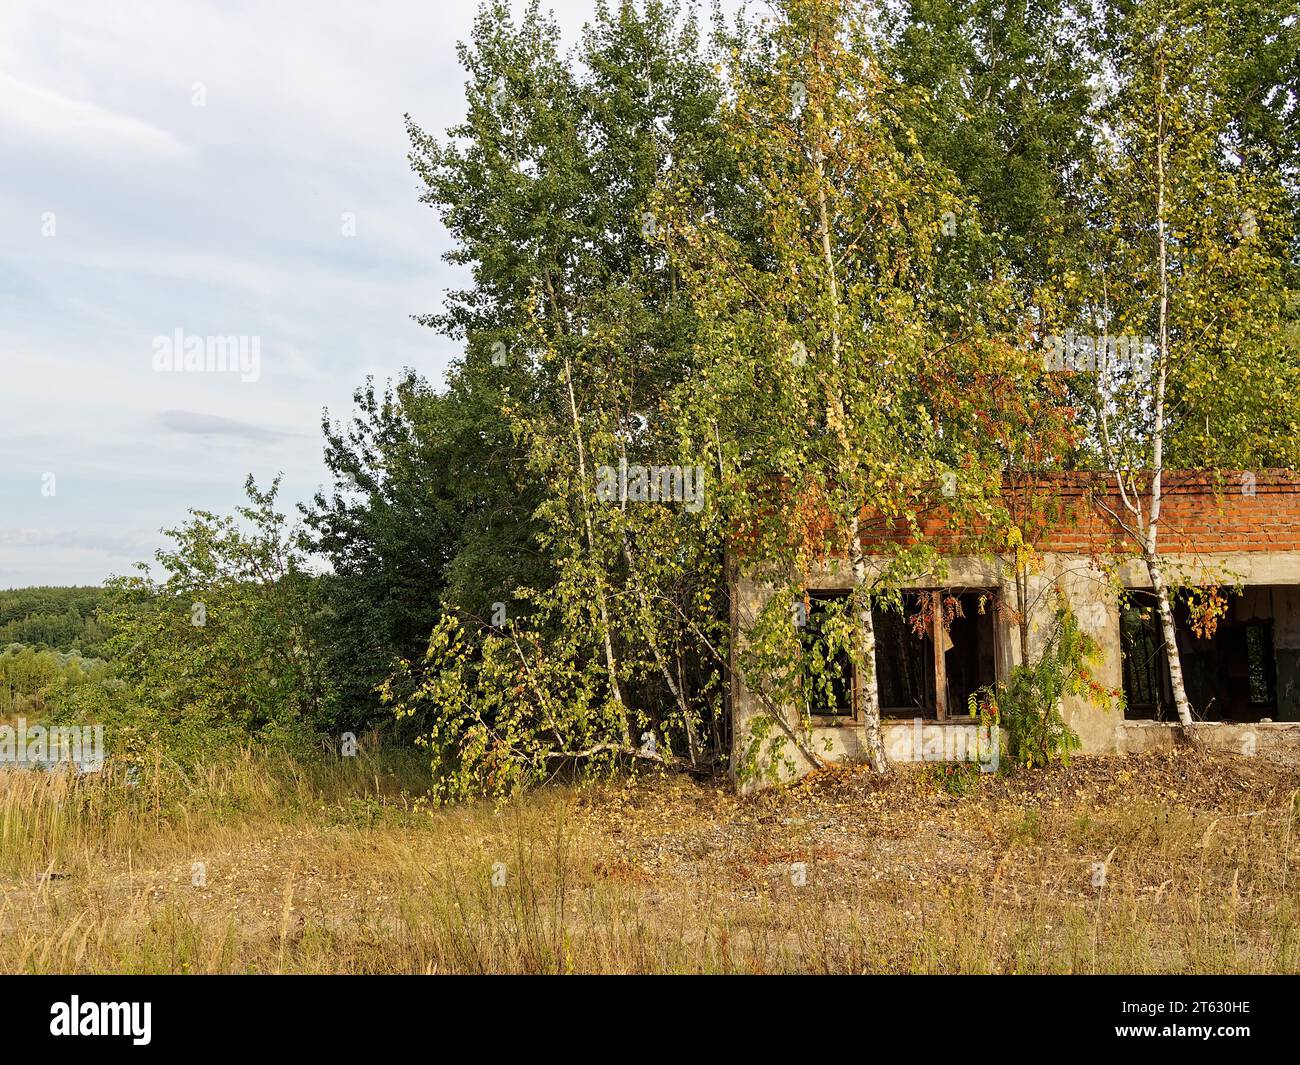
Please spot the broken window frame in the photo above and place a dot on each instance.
(849, 713)
(1151, 661)
(935, 668)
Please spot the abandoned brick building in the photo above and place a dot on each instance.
(1240, 532)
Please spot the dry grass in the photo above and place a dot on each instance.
(338, 868)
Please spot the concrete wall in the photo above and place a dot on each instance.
(1248, 740)
(1094, 598)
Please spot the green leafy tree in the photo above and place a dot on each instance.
(1186, 260)
(577, 338)
(1007, 88)
(842, 335)
(428, 510)
(222, 648)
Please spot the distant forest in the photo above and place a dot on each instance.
(60, 619)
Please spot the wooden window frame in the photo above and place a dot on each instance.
(942, 712)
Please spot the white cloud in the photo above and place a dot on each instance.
(45, 117)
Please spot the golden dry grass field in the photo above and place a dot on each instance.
(339, 867)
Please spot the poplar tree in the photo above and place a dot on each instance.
(577, 334)
(1008, 85)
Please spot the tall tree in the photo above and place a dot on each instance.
(428, 509)
(577, 332)
(1007, 87)
(1186, 241)
(843, 339)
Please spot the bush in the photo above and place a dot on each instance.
(223, 650)
(1028, 705)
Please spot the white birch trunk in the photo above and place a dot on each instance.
(1149, 550)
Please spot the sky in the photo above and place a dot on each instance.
(222, 170)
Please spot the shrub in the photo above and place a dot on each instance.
(1028, 704)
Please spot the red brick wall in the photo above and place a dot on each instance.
(1198, 514)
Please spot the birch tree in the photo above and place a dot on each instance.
(841, 333)
(577, 335)
(1183, 349)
